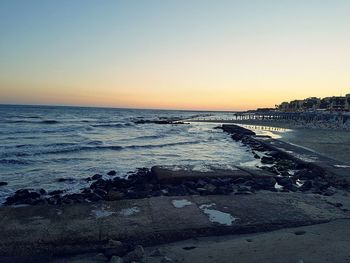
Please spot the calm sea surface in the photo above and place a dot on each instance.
(40, 144)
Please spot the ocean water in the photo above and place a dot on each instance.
(40, 144)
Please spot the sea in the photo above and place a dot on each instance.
(39, 145)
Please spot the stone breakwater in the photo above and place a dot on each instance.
(280, 172)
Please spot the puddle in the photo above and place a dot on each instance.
(181, 203)
(129, 211)
(102, 213)
(216, 216)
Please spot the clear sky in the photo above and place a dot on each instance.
(181, 54)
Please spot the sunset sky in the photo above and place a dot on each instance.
(173, 54)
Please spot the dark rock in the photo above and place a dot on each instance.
(114, 195)
(267, 160)
(307, 185)
(55, 192)
(306, 174)
(132, 194)
(61, 180)
(284, 181)
(256, 156)
(42, 191)
(265, 183)
(100, 192)
(3, 183)
(292, 188)
(96, 177)
(112, 173)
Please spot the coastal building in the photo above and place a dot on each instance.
(333, 104)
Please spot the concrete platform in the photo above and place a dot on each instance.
(54, 230)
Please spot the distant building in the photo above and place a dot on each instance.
(336, 103)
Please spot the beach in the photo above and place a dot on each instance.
(137, 218)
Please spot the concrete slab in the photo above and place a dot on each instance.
(79, 228)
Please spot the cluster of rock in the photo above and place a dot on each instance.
(291, 173)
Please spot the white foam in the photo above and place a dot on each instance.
(341, 166)
(217, 216)
(181, 203)
(278, 186)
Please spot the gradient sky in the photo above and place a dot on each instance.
(181, 54)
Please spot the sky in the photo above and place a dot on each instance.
(173, 54)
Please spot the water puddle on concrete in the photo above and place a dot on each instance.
(217, 216)
(102, 213)
(129, 211)
(181, 203)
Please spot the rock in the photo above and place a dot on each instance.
(306, 174)
(42, 191)
(61, 180)
(114, 195)
(55, 192)
(96, 177)
(3, 183)
(136, 255)
(307, 185)
(284, 181)
(100, 192)
(265, 183)
(116, 259)
(267, 160)
(131, 194)
(291, 187)
(112, 173)
(256, 156)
